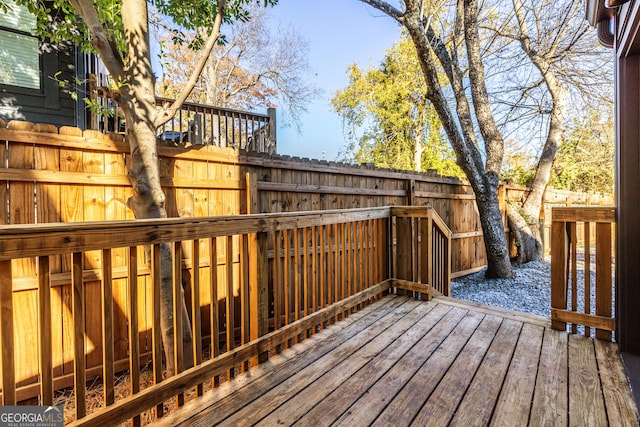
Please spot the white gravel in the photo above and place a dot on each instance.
(528, 291)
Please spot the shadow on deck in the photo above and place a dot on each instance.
(401, 361)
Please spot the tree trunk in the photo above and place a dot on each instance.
(527, 235)
(137, 98)
(495, 241)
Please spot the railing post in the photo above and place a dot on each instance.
(558, 271)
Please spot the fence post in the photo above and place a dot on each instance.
(273, 148)
(253, 202)
(558, 271)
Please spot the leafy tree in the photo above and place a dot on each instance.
(119, 32)
(542, 43)
(585, 162)
(389, 120)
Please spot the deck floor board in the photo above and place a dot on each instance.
(405, 362)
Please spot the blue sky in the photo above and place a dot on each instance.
(339, 32)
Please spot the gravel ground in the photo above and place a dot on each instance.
(528, 291)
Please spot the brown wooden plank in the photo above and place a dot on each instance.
(573, 270)
(558, 270)
(604, 286)
(132, 311)
(196, 317)
(45, 344)
(107, 327)
(514, 403)
(78, 306)
(177, 298)
(6, 335)
(442, 403)
(384, 375)
(156, 343)
(214, 318)
(277, 279)
(229, 296)
(602, 323)
(586, 404)
(223, 402)
(286, 281)
(621, 408)
(333, 369)
(587, 273)
(584, 214)
(550, 405)
(479, 401)
(402, 407)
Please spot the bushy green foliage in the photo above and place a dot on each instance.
(585, 162)
(388, 120)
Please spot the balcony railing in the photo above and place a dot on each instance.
(582, 249)
(254, 283)
(195, 124)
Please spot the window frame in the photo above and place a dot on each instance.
(7, 87)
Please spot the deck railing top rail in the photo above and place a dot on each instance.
(19, 241)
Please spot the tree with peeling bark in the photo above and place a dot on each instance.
(557, 62)
(119, 32)
(549, 36)
(481, 168)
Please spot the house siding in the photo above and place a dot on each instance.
(52, 104)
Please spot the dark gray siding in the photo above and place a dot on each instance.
(52, 104)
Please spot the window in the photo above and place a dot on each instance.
(19, 48)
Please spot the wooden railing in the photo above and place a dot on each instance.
(577, 235)
(422, 232)
(254, 283)
(194, 124)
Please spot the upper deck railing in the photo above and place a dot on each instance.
(195, 124)
(254, 283)
(582, 260)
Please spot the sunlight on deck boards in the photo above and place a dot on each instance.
(401, 362)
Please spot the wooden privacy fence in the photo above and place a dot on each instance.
(67, 175)
(573, 247)
(288, 273)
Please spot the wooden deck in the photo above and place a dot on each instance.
(404, 362)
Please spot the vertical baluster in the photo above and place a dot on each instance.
(6, 334)
(107, 328)
(134, 336)
(156, 280)
(196, 321)
(178, 349)
(45, 344)
(587, 273)
(214, 308)
(230, 303)
(574, 273)
(77, 303)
